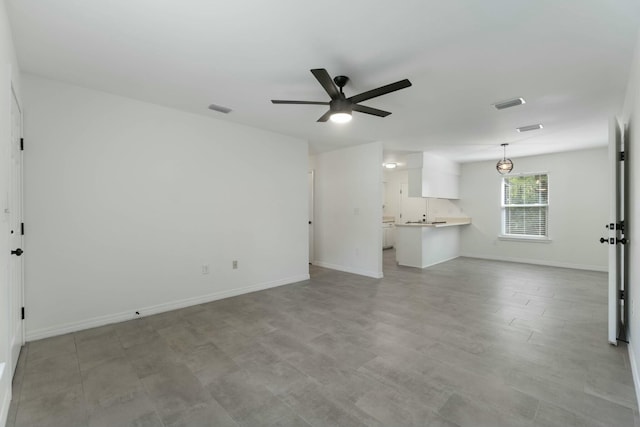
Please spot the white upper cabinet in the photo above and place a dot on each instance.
(433, 176)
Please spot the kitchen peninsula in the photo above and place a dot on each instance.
(423, 244)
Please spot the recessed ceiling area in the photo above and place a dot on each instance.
(569, 60)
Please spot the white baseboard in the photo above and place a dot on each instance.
(539, 262)
(439, 262)
(368, 273)
(155, 309)
(634, 372)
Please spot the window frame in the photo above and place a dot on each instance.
(546, 238)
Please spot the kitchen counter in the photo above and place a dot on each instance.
(425, 244)
(449, 222)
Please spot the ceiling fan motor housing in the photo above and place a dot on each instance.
(341, 105)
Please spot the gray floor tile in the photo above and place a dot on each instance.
(208, 415)
(276, 374)
(49, 347)
(109, 383)
(465, 343)
(468, 413)
(150, 357)
(133, 409)
(208, 362)
(174, 390)
(133, 332)
(50, 376)
(550, 415)
(248, 401)
(291, 421)
(394, 408)
(315, 407)
(63, 408)
(413, 383)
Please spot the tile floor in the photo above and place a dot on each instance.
(465, 343)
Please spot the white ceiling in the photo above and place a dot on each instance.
(569, 60)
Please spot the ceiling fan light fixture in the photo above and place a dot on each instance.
(340, 117)
(504, 165)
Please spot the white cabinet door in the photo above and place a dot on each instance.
(435, 176)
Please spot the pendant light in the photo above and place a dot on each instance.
(505, 165)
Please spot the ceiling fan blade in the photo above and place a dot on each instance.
(325, 116)
(383, 90)
(280, 101)
(327, 82)
(369, 110)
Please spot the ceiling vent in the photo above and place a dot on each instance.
(528, 128)
(219, 108)
(509, 103)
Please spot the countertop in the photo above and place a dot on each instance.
(448, 222)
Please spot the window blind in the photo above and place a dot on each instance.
(525, 205)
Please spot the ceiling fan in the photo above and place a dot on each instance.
(340, 107)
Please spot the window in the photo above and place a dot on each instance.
(525, 206)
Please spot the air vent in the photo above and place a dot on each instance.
(528, 128)
(219, 109)
(509, 103)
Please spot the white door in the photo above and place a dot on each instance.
(310, 217)
(16, 335)
(616, 227)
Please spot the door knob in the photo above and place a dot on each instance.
(603, 240)
(623, 241)
(17, 252)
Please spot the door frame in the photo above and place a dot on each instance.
(616, 226)
(311, 186)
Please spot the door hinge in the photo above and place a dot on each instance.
(22, 228)
(21, 144)
(622, 156)
(621, 293)
(22, 313)
(616, 226)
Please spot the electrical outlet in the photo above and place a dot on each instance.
(205, 268)
(234, 264)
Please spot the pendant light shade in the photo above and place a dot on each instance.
(505, 165)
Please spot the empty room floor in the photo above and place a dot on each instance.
(465, 343)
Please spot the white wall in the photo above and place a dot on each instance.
(125, 201)
(631, 116)
(9, 76)
(348, 209)
(578, 210)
